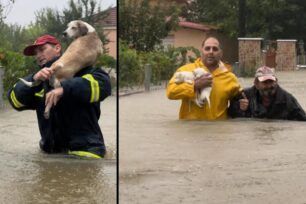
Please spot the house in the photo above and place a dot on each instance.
(109, 25)
(192, 34)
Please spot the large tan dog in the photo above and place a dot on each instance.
(82, 52)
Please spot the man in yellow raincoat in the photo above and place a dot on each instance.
(224, 85)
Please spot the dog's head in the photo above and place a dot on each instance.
(198, 72)
(77, 29)
(179, 77)
(183, 76)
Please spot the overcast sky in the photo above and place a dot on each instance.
(22, 12)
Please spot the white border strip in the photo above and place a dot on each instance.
(250, 38)
(283, 40)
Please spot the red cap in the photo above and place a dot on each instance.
(30, 50)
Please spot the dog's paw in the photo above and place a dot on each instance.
(198, 103)
(47, 115)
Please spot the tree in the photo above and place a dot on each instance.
(51, 21)
(270, 19)
(55, 22)
(222, 13)
(5, 8)
(13, 37)
(241, 18)
(144, 26)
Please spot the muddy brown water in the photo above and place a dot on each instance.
(29, 176)
(165, 160)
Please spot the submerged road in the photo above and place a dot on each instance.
(29, 176)
(165, 160)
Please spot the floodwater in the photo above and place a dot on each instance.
(29, 176)
(165, 160)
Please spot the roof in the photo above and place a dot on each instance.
(111, 19)
(196, 26)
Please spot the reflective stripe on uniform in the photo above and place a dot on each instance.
(16, 103)
(94, 86)
(84, 154)
(40, 94)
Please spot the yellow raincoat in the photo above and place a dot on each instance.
(224, 87)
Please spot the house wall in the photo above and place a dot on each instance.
(188, 37)
(111, 34)
(185, 37)
(109, 25)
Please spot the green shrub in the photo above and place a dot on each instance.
(130, 72)
(163, 62)
(106, 61)
(15, 66)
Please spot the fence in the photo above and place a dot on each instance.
(282, 54)
(247, 65)
(151, 80)
(301, 59)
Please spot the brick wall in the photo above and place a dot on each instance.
(286, 55)
(250, 54)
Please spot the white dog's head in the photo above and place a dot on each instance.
(198, 72)
(77, 29)
(179, 77)
(183, 76)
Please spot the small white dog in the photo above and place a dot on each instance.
(82, 52)
(204, 94)
(189, 77)
(184, 76)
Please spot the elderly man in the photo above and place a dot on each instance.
(266, 99)
(224, 85)
(73, 124)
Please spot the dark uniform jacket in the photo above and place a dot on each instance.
(284, 106)
(73, 123)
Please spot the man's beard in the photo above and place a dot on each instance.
(270, 92)
(212, 62)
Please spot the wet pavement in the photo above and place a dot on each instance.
(29, 176)
(165, 160)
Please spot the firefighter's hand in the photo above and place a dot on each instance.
(54, 96)
(43, 74)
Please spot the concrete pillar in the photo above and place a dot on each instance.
(286, 55)
(301, 56)
(250, 55)
(148, 75)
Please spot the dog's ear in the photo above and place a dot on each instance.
(82, 28)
